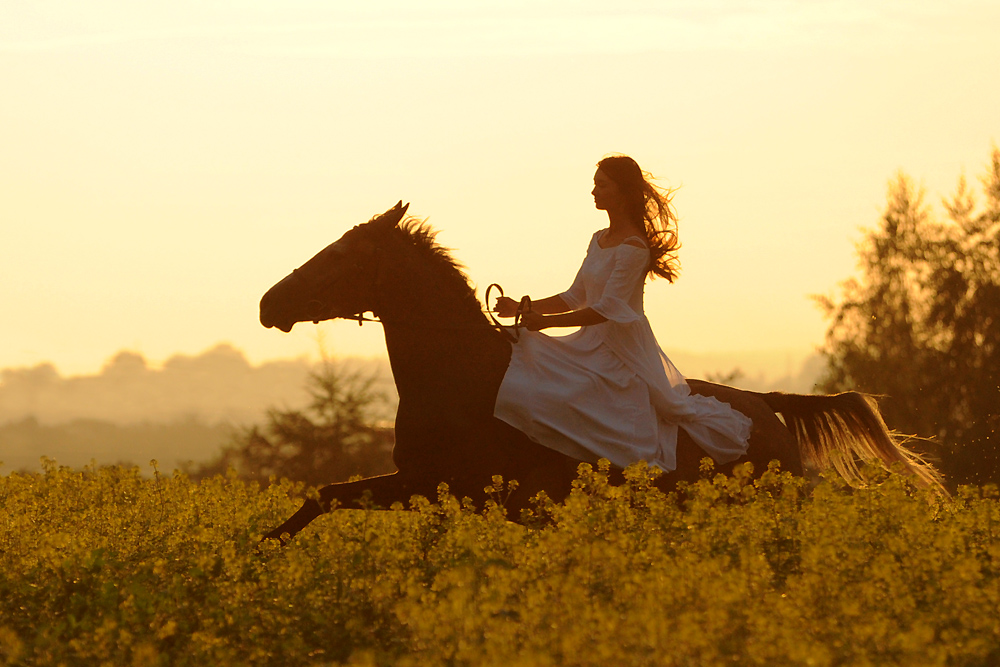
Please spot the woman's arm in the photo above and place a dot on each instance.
(507, 307)
(550, 305)
(629, 271)
(535, 321)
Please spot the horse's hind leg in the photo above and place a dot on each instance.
(769, 439)
(381, 491)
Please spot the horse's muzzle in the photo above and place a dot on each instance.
(268, 323)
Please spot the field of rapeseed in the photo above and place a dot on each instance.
(106, 566)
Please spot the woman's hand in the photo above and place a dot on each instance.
(533, 321)
(506, 306)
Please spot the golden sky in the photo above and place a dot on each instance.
(163, 163)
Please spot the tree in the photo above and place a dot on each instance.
(336, 437)
(921, 325)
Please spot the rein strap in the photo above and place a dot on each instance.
(523, 307)
(510, 332)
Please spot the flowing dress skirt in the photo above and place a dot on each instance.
(574, 395)
(607, 390)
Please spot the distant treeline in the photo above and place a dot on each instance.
(215, 386)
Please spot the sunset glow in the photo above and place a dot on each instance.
(163, 164)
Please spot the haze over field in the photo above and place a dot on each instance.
(222, 385)
(183, 409)
(186, 407)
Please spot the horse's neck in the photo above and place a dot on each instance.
(444, 360)
(441, 348)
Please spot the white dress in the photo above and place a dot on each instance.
(607, 390)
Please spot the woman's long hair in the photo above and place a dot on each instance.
(654, 206)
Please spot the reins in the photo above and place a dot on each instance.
(510, 331)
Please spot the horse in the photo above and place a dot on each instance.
(448, 359)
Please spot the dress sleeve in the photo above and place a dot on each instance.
(631, 263)
(576, 296)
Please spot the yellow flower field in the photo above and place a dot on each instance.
(106, 566)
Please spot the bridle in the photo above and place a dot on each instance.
(322, 307)
(373, 290)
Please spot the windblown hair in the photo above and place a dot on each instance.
(654, 206)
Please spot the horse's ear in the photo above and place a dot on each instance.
(391, 218)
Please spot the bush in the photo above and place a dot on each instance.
(920, 327)
(336, 437)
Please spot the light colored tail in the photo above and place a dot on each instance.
(835, 431)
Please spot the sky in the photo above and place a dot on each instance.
(162, 164)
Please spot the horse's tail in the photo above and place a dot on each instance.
(835, 431)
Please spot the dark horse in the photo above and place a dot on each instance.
(448, 361)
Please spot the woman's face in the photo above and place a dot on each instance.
(607, 194)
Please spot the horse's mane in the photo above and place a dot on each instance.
(423, 238)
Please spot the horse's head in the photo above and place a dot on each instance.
(340, 281)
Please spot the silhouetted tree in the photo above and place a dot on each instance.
(921, 325)
(333, 439)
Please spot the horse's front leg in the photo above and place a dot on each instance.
(381, 491)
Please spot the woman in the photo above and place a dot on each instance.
(607, 390)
